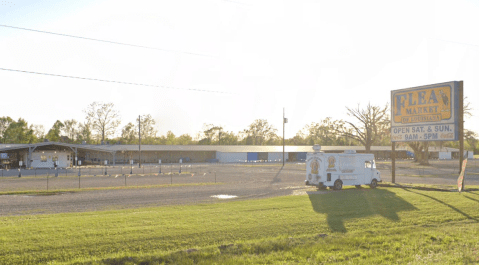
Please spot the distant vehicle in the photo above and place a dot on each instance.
(335, 170)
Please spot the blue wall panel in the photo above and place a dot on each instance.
(301, 156)
(252, 156)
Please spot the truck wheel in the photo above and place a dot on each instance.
(338, 184)
(358, 186)
(322, 187)
(374, 184)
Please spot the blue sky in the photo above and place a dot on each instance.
(312, 57)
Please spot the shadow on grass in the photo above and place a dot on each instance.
(349, 204)
(448, 205)
(476, 200)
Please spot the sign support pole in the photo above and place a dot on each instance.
(461, 125)
(393, 162)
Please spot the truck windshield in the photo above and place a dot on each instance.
(370, 164)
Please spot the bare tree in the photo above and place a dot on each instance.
(148, 131)
(371, 125)
(70, 128)
(39, 131)
(103, 118)
(421, 152)
(129, 133)
(84, 132)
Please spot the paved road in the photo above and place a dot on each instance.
(243, 182)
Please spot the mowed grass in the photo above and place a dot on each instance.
(356, 226)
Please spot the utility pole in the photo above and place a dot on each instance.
(139, 143)
(285, 120)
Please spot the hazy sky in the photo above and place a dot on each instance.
(311, 57)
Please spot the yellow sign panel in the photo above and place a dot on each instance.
(426, 113)
(423, 105)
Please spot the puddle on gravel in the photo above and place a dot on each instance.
(223, 196)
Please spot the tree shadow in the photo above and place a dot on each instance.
(349, 204)
(448, 205)
(476, 200)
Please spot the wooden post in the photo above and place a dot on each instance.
(461, 125)
(393, 162)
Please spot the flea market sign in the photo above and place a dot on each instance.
(426, 113)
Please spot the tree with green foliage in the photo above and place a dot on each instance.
(228, 138)
(129, 134)
(260, 132)
(4, 124)
(326, 132)
(54, 134)
(184, 139)
(18, 132)
(210, 134)
(471, 139)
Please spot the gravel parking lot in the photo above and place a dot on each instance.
(241, 181)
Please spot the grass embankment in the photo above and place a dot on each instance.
(371, 226)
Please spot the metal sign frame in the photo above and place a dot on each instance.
(426, 127)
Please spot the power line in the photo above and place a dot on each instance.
(112, 81)
(462, 43)
(106, 41)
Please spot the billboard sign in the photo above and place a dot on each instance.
(426, 113)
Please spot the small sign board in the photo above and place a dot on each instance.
(20, 163)
(159, 161)
(181, 160)
(426, 113)
(79, 162)
(4, 155)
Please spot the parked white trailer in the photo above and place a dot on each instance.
(336, 170)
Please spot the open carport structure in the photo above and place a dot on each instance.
(47, 154)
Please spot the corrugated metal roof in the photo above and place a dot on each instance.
(213, 148)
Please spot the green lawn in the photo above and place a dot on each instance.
(369, 226)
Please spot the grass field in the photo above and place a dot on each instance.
(356, 226)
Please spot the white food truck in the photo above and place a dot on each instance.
(335, 170)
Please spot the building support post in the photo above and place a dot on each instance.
(29, 158)
(76, 156)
